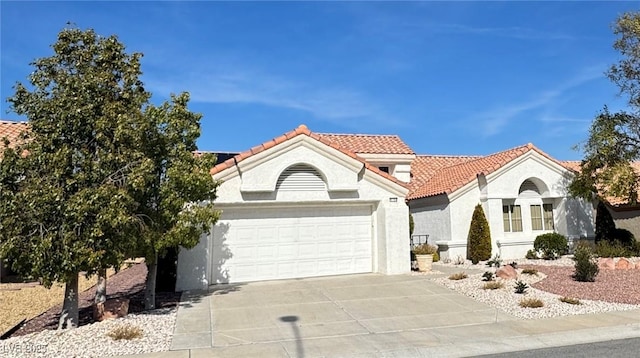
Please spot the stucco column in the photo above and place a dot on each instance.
(395, 259)
(493, 211)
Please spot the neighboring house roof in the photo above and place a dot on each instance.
(302, 130)
(456, 172)
(11, 131)
(614, 202)
(368, 143)
(571, 164)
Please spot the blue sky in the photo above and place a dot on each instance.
(447, 77)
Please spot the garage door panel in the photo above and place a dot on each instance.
(326, 249)
(270, 243)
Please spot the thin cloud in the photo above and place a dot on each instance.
(496, 119)
(514, 32)
(333, 104)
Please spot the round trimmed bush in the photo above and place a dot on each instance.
(551, 245)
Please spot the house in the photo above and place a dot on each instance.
(523, 192)
(9, 131)
(314, 204)
(306, 204)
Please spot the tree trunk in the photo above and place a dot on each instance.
(69, 315)
(101, 287)
(150, 289)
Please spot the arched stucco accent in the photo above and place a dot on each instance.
(533, 185)
(301, 177)
(338, 171)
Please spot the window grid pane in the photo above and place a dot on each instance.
(516, 218)
(536, 217)
(505, 218)
(548, 216)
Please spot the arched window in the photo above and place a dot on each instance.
(301, 177)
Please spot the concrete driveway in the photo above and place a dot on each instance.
(368, 315)
(345, 315)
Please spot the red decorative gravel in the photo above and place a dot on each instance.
(619, 286)
(128, 283)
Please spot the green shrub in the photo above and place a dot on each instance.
(488, 276)
(570, 300)
(493, 285)
(605, 248)
(479, 238)
(496, 261)
(530, 271)
(604, 223)
(521, 287)
(531, 303)
(586, 265)
(458, 276)
(551, 245)
(532, 255)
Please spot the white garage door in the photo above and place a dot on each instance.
(277, 243)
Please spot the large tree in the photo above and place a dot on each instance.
(177, 198)
(64, 211)
(101, 174)
(614, 138)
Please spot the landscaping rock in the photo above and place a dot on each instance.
(638, 265)
(624, 264)
(114, 308)
(507, 272)
(606, 263)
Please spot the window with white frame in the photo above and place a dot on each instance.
(542, 217)
(512, 218)
(547, 216)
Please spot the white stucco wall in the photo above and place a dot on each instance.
(399, 164)
(431, 217)
(253, 184)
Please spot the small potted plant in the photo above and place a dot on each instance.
(424, 255)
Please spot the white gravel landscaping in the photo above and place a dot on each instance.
(507, 300)
(92, 340)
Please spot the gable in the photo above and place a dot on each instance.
(461, 176)
(261, 170)
(528, 174)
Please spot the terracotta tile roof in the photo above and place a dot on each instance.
(301, 130)
(11, 131)
(457, 172)
(369, 143)
(424, 167)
